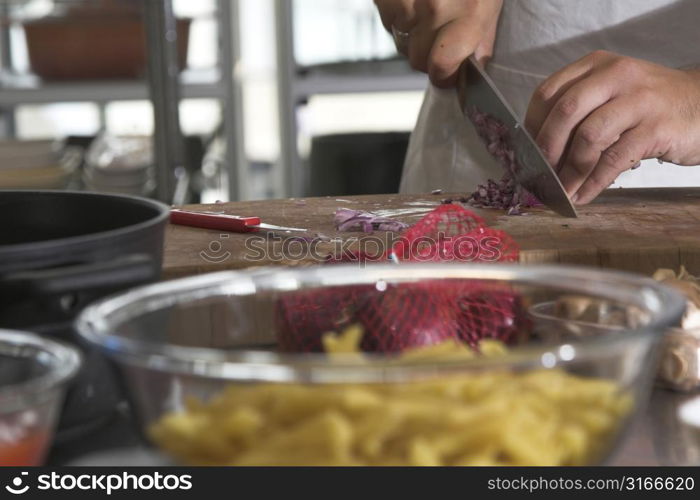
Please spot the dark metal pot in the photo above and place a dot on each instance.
(59, 251)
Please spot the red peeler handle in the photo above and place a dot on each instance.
(220, 222)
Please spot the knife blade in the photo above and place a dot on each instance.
(477, 92)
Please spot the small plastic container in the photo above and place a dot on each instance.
(34, 373)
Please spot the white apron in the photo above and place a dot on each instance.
(535, 39)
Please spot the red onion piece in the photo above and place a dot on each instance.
(355, 220)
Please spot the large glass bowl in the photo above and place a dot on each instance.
(200, 357)
(34, 373)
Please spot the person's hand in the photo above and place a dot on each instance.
(441, 34)
(605, 113)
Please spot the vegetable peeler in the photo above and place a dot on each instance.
(223, 222)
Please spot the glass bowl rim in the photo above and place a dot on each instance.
(64, 364)
(96, 323)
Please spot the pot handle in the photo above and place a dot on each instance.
(119, 273)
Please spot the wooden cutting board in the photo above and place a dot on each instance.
(637, 230)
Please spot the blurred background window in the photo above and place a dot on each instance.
(328, 31)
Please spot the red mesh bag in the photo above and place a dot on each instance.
(450, 233)
(489, 311)
(301, 318)
(409, 315)
(406, 315)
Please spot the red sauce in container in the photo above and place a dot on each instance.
(28, 451)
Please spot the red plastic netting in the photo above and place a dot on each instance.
(451, 233)
(405, 315)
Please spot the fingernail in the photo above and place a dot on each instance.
(574, 199)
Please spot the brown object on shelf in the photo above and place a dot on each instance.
(94, 47)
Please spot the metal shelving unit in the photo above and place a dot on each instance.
(7, 122)
(21, 90)
(296, 84)
(164, 88)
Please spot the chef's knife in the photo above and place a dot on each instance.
(478, 92)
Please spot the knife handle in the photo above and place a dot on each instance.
(218, 222)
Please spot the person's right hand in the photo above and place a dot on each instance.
(443, 33)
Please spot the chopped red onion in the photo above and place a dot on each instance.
(506, 194)
(355, 220)
(516, 210)
(503, 195)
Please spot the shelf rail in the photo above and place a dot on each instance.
(164, 90)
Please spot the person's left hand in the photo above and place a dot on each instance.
(605, 113)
